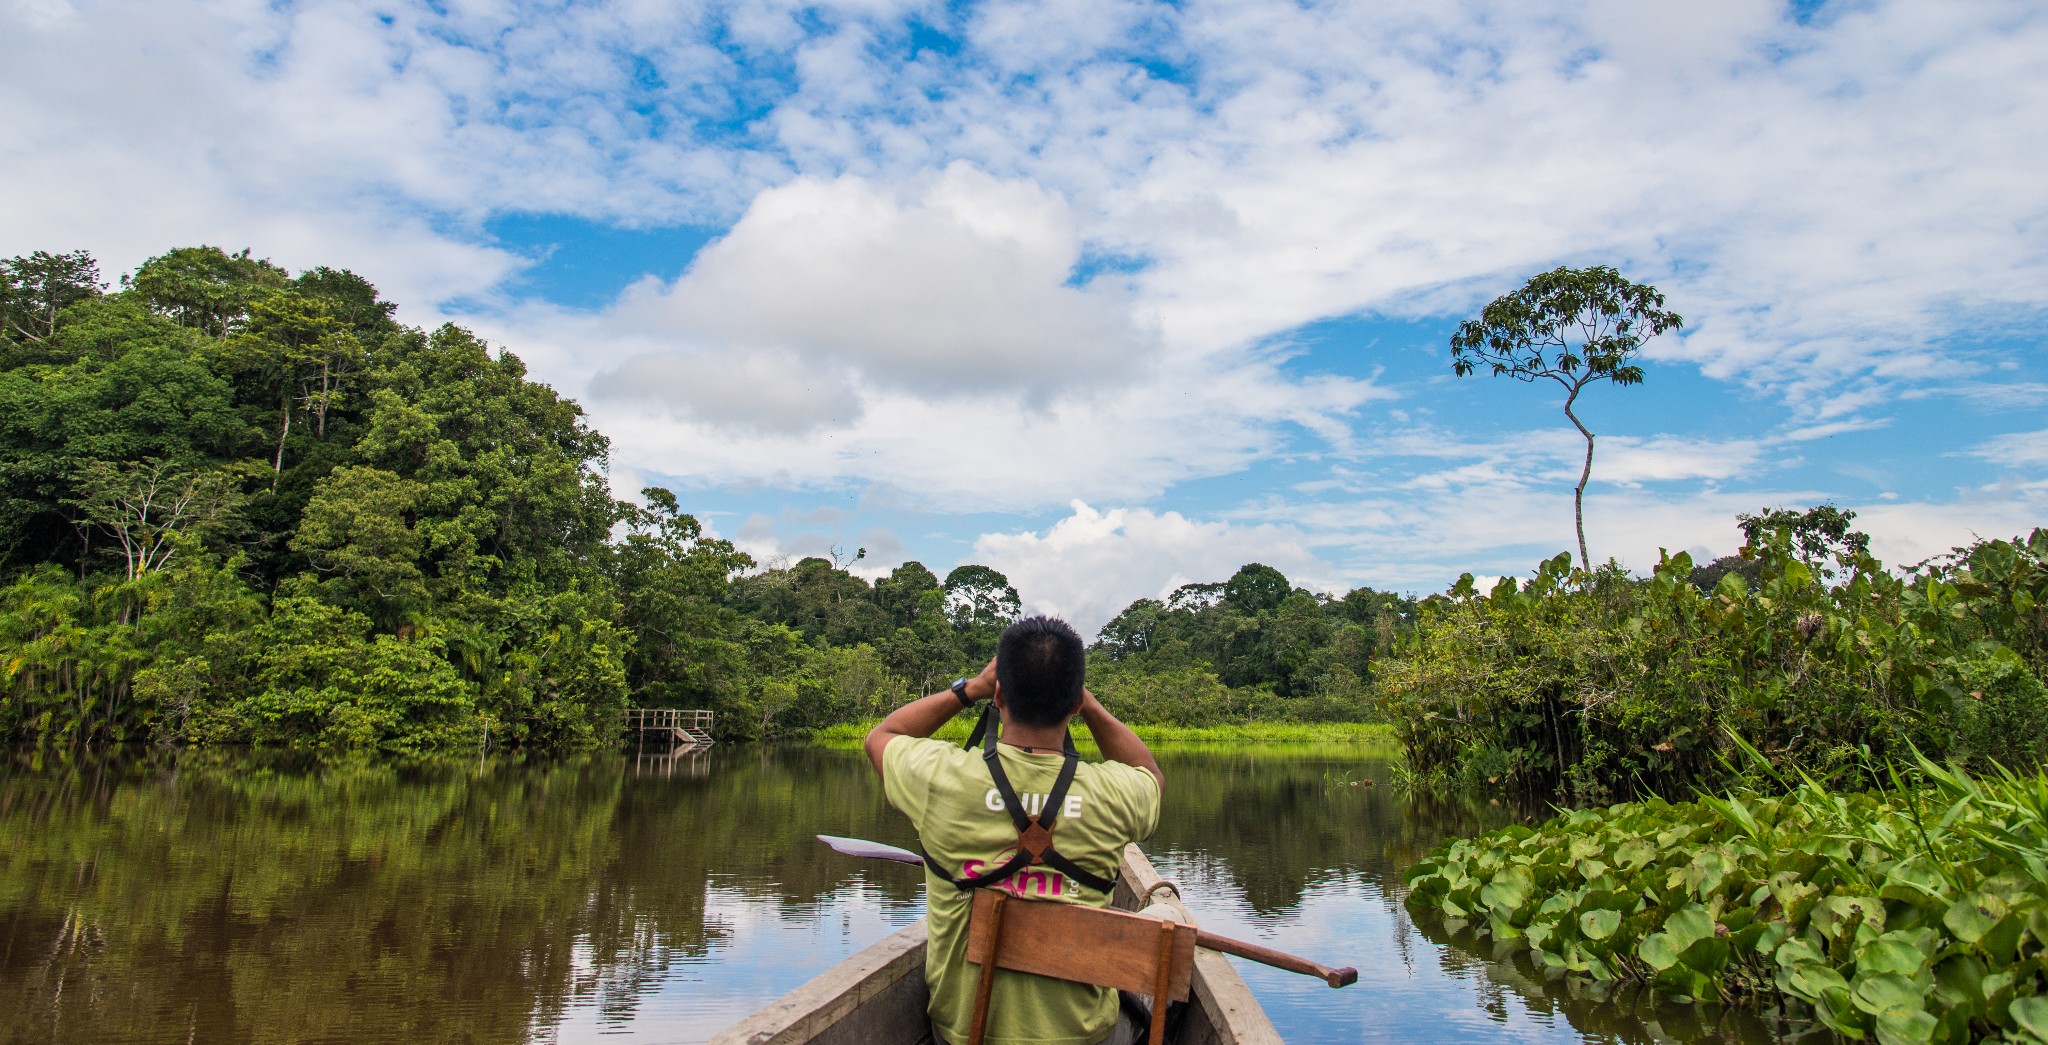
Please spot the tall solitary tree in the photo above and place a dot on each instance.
(1571, 326)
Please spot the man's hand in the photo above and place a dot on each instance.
(1116, 740)
(923, 717)
(982, 686)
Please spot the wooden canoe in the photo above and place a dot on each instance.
(878, 995)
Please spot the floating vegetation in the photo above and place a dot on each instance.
(1917, 914)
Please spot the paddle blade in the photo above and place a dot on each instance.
(867, 850)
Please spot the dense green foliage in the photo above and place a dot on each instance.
(1919, 914)
(238, 505)
(243, 506)
(1253, 648)
(1608, 685)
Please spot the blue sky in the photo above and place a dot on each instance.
(1116, 295)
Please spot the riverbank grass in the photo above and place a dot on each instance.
(1362, 734)
(1918, 913)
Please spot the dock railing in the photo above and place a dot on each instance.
(689, 727)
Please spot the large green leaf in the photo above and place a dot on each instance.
(1973, 916)
(1706, 956)
(1894, 952)
(1508, 890)
(1689, 925)
(1599, 925)
(1959, 983)
(1706, 872)
(1634, 854)
(1839, 917)
(1658, 950)
(1813, 980)
(1906, 1027)
(1886, 992)
(2002, 942)
(2032, 1015)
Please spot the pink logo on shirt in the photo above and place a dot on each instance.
(1022, 883)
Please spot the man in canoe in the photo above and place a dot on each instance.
(972, 808)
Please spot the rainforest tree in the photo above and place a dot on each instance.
(239, 505)
(1571, 326)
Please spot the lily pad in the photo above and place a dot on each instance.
(1599, 925)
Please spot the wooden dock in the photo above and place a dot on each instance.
(687, 728)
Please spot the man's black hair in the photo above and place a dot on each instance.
(1040, 663)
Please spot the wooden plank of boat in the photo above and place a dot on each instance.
(878, 995)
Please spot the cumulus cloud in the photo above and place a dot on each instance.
(959, 283)
(1091, 564)
(771, 391)
(1088, 566)
(901, 299)
(929, 337)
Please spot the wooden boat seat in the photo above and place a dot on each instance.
(1094, 945)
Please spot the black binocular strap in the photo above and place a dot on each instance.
(985, 732)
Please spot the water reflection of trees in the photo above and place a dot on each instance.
(248, 899)
(1281, 822)
(237, 898)
(222, 898)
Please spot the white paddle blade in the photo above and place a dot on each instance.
(867, 850)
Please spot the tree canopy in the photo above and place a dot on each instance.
(242, 505)
(239, 505)
(1571, 326)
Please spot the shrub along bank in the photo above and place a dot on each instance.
(1611, 686)
(1915, 914)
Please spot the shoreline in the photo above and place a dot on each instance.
(1362, 734)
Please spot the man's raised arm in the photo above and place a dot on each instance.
(923, 717)
(1116, 740)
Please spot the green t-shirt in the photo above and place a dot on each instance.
(959, 816)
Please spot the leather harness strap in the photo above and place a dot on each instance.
(1034, 833)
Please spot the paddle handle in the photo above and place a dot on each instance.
(1276, 959)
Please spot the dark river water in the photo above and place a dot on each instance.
(224, 897)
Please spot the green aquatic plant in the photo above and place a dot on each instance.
(1917, 913)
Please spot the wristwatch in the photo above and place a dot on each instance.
(960, 693)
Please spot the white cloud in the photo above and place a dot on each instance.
(2027, 450)
(927, 339)
(1826, 202)
(1628, 460)
(1087, 567)
(956, 284)
(772, 390)
(1906, 532)
(1091, 564)
(1831, 205)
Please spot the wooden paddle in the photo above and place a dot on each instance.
(1343, 977)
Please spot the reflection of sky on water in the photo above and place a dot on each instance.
(760, 949)
(588, 901)
(1263, 849)
(1408, 989)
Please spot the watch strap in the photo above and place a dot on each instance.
(959, 688)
